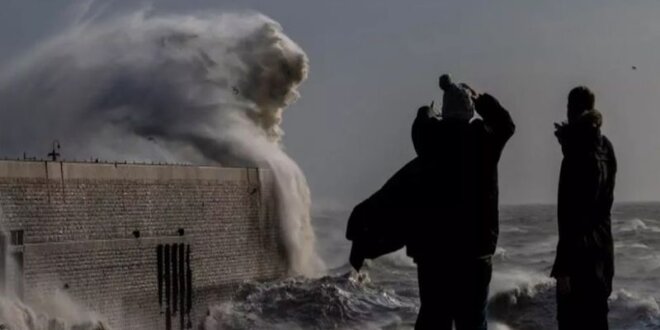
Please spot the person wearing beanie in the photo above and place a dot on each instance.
(457, 104)
(584, 264)
(457, 100)
(443, 207)
(456, 224)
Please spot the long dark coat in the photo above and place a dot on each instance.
(444, 203)
(586, 194)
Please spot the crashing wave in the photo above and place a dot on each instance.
(178, 88)
(628, 310)
(635, 226)
(346, 302)
(533, 307)
(57, 312)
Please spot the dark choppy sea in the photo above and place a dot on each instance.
(521, 294)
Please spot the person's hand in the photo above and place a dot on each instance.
(424, 112)
(356, 259)
(564, 285)
(356, 262)
(559, 126)
(472, 93)
(559, 130)
(485, 100)
(483, 103)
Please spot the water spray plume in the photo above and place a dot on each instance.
(186, 89)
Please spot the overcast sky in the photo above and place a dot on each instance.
(374, 62)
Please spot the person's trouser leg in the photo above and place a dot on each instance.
(566, 318)
(597, 318)
(434, 293)
(585, 307)
(473, 300)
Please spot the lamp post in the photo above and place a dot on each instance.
(55, 153)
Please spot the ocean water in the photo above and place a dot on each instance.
(385, 294)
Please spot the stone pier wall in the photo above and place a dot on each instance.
(146, 246)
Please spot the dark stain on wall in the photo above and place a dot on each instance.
(182, 287)
(175, 275)
(175, 278)
(159, 257)
(166, 275)
(188, 287)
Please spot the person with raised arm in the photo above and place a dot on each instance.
(584, 264)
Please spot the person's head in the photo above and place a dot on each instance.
(580, 100)
(458, 99)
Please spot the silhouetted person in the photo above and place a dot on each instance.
(584, 265)
(456, 225)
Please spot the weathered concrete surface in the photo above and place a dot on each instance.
(80, 222)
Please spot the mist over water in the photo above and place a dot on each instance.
(52, 313)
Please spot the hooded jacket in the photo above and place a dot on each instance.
(586, 193)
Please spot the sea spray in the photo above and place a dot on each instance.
(54, 312)
(180, 88)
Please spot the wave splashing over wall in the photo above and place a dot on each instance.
(53, 313)
(167, 88)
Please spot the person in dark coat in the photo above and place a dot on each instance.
(584, 265)
(456, 228)
(443, 206)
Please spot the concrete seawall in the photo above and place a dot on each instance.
(147, 246)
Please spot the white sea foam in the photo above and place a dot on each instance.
(53, 312)
(517, 279)
(636, 225)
